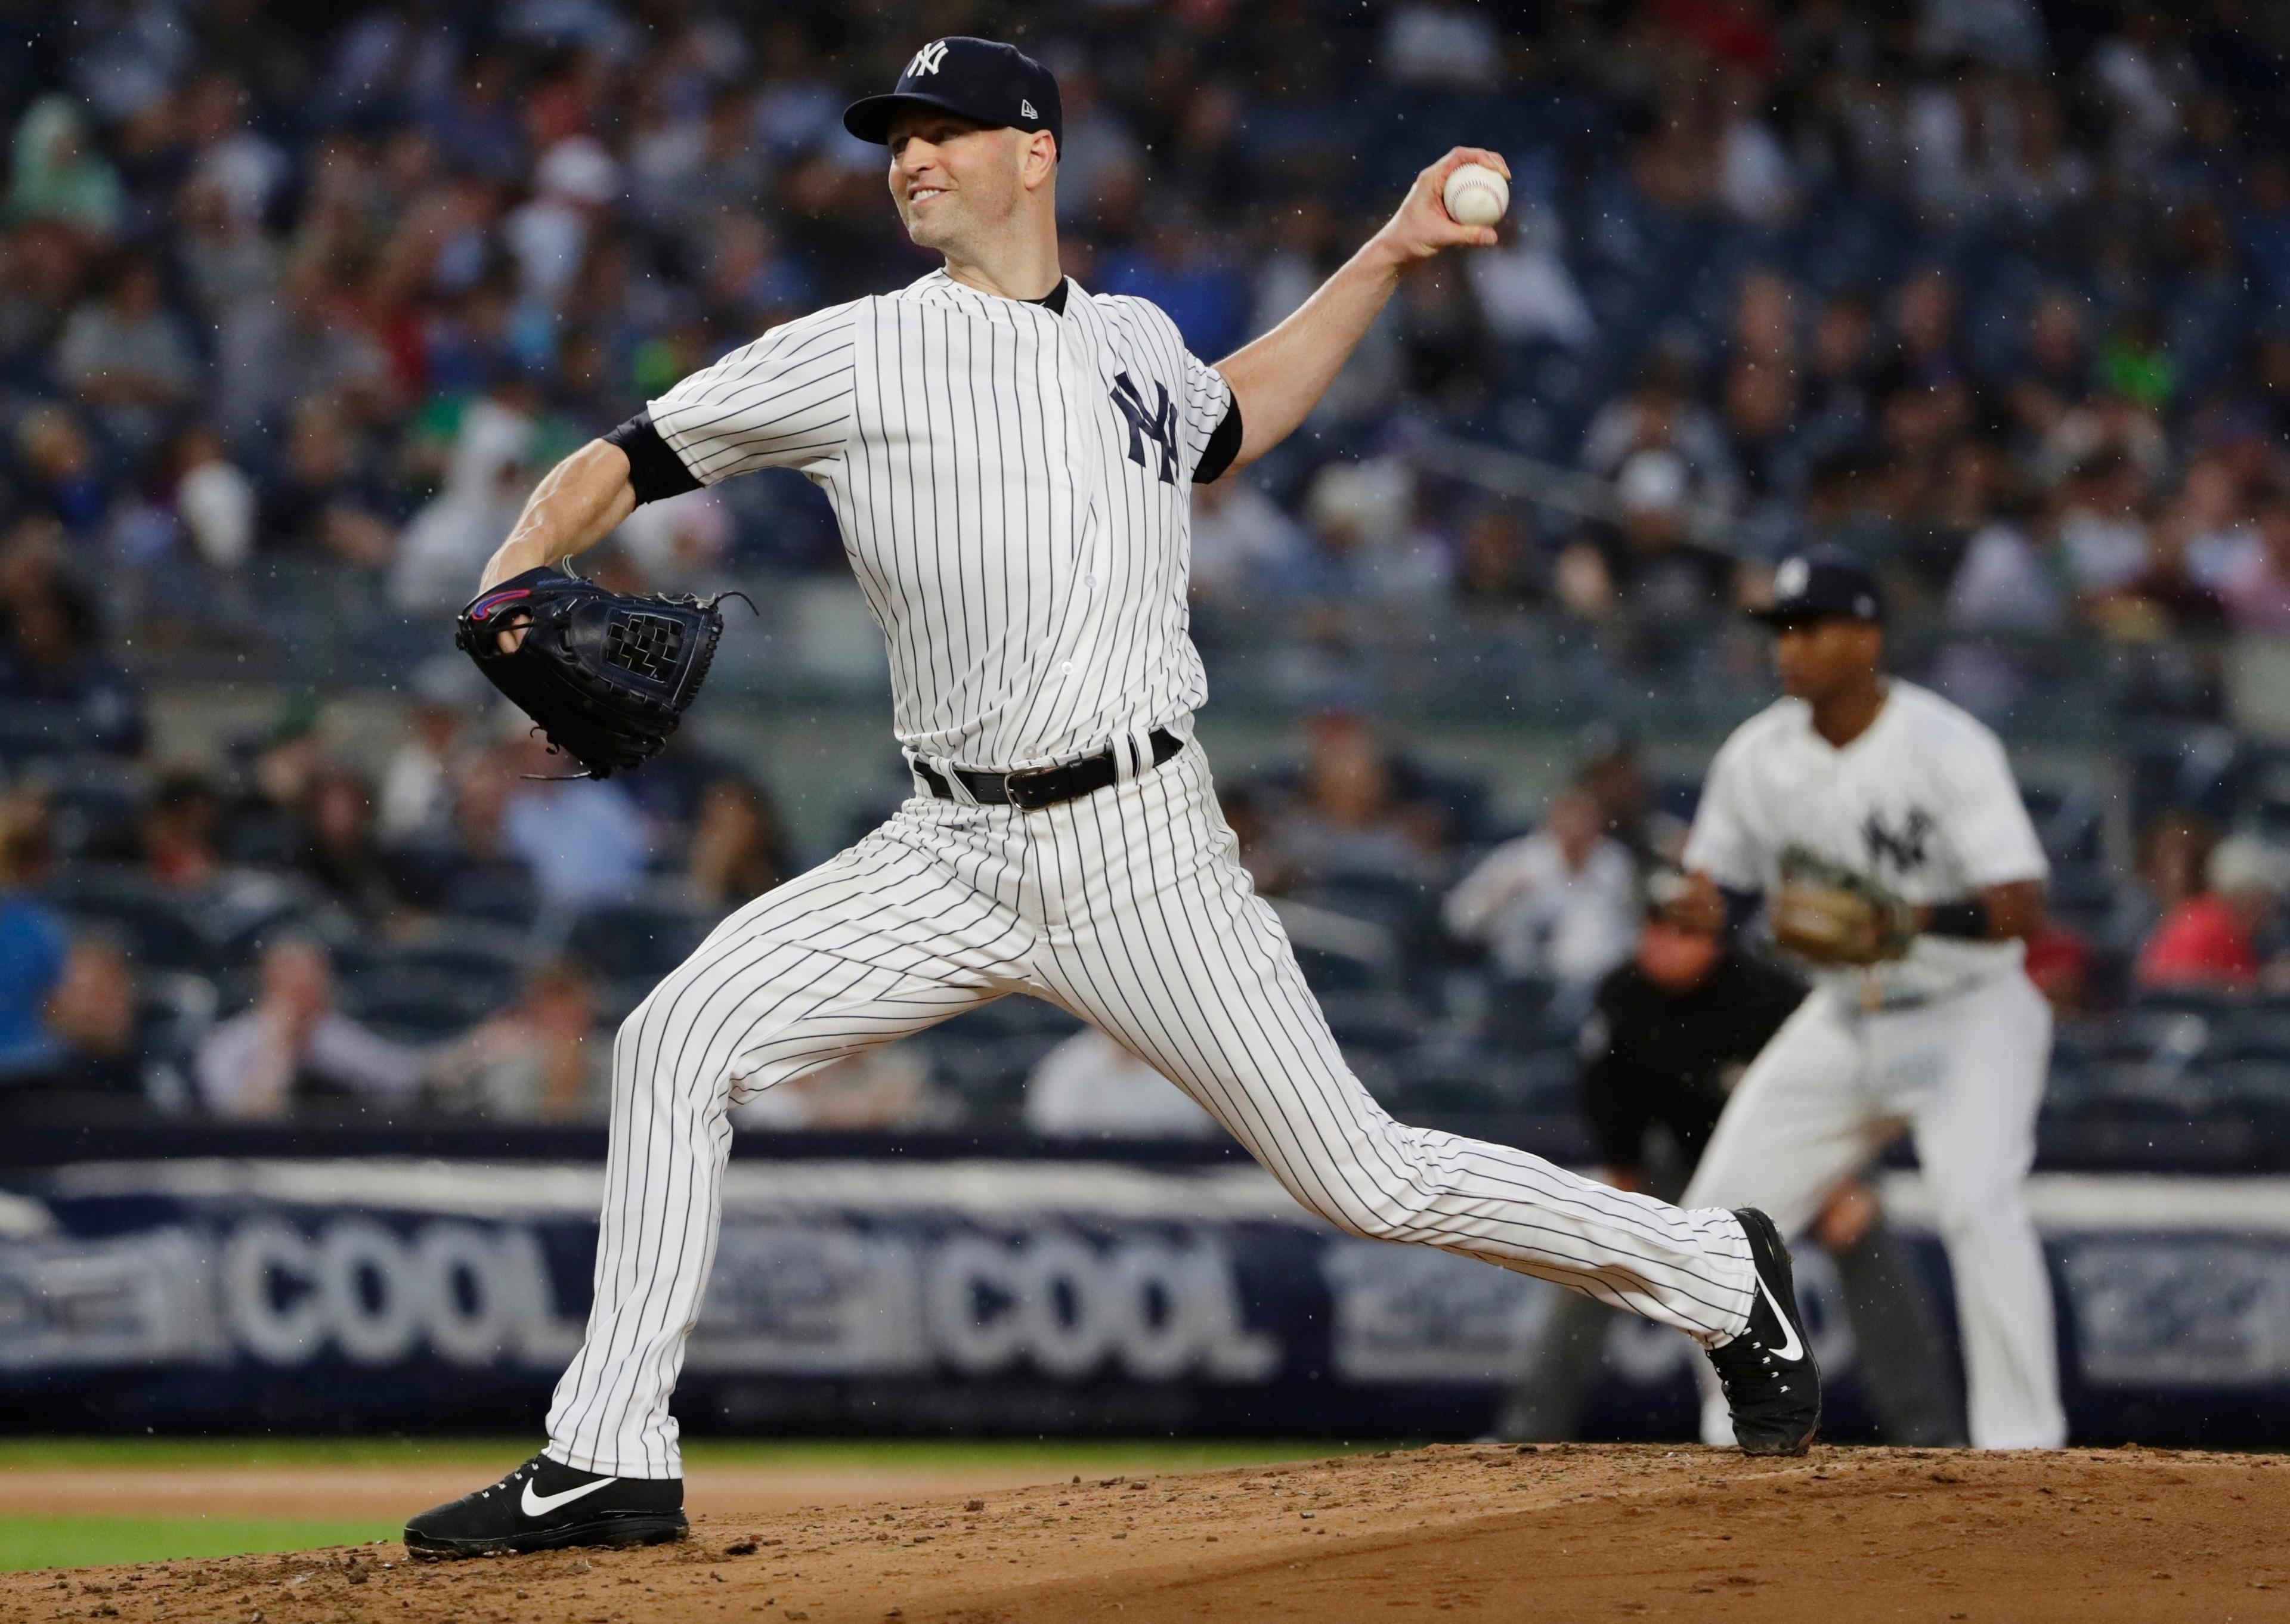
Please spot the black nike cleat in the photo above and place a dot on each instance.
(543, 1506)
(1773, 1387)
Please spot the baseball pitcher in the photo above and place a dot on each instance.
(1010, 458)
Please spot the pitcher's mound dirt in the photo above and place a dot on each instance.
(1560, 1532)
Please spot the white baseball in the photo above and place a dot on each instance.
(1475, 194)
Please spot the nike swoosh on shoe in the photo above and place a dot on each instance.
(1792, 1348)
(541, 1505)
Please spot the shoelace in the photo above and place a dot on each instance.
(504, 1483)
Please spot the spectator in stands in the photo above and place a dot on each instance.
(2210, 939)
(59, 468)
(92, 1022)
(1349, 817)
(1244, 547)
(2173, 852)
(1661, 414)
(1090, 1087)
(2101, 521)
(271, 792)
(322, 502)
(127, 358)
(1526, 290)
(295, 1044)
(2257, 592)
(181, 831)
(2059, 961)
(34, 945)
(215, 500)
(417, 787)
(1248, 812)
(1559, 905)
(447, 542)
(1366, 550)
(1642, 566)
(883, 1088)
(1610, 769)
(57, 175)
(336, 845)
(1499, 572)
(738, 850)
(583, 841)
(542, 1060)
(50, 648)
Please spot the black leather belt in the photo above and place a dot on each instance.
(1039, 787)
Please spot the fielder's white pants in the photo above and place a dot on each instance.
(1966, 1074)
(1130, 909)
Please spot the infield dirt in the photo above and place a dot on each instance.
(1559, 1532)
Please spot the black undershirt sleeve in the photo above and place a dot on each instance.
(1967, 920)
(654, 469)
(1223, 446)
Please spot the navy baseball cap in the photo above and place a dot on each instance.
(989, 84)
(1823, 583)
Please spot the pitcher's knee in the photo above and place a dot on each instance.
(1380, 1210)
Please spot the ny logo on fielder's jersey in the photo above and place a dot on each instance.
(1906, 849)
(927, 58)
(1158, 425)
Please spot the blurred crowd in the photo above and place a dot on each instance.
(1995, 293)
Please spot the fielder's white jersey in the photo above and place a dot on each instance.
(1923, 802)
(1014, 487)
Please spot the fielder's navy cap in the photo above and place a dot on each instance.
(987, 83)
(1823, 583)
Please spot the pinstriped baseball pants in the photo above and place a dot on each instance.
(1130, 909)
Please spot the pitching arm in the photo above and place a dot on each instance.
(1280, 377)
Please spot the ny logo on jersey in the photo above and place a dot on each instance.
(1906, 849)
(1158, 425)
(927, 58)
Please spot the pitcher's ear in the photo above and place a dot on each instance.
(1041, 157)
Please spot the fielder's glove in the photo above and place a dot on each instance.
(604, 675)
(1830, 916)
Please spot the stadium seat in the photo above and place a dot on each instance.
(161, 928)
(416, 1005)
(988, 1075)
(480, 951)
(1018, 1015)
(636, 938)
(2260, 1032)
(1374, 1019)
(96, 800)
(2252, 1080)
(504, 893)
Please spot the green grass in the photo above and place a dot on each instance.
(96, 1541)
(945, 1454)
(90, 1541)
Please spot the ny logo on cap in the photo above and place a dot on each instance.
(927, 58)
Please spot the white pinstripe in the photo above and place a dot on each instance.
(1029, 578)
(1025, 543)
(1130, 909)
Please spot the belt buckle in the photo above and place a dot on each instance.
(1013, 786)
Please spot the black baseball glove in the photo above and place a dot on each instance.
(606, 675)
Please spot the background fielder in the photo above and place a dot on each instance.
(1889, 781)
(1010, 459)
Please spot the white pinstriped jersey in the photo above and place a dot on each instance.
(1013, 486)
(1922, 801)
